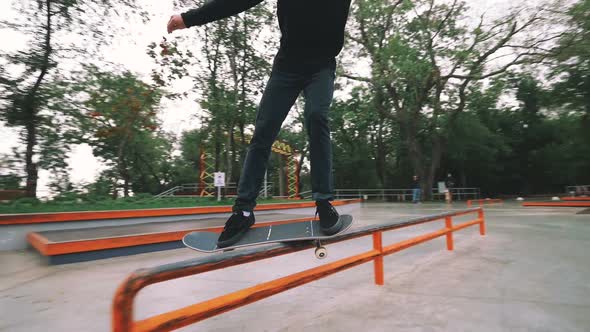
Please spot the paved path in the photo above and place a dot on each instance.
(530, 273)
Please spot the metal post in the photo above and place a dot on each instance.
(378, 261)
(482, 223)
(449, 225)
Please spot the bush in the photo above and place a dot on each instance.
(67, 197)
(26, 201)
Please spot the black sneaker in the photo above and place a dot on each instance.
(235, 228)
(330, 223)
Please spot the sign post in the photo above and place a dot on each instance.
(219, 181)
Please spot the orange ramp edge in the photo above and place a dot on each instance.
(48, 248)
(563, 204)
(36, 218)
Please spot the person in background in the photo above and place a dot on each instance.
(449, 183)
(416, 189)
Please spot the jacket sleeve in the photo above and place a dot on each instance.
(214, 10)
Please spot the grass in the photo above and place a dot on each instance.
(33, 206)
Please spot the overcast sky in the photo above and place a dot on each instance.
(130, 53)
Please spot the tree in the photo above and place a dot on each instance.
(186, 167)
(119, 122)
(478, 143)
(229, 74)
(29, 81)
(424, 58)
(10, 177)
(570, 93)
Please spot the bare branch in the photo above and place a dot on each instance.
(444, 21)
(460, 61)
(355, 78)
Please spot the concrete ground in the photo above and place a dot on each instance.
(531, 272)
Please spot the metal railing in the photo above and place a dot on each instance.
(124, 299)
(190, 187)
(195, 188)
(481, 202)
(402, 195)
(459, 194)
(578, 190)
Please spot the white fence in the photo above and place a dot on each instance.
(399, 195)
(578, 190)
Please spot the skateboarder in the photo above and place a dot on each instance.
(312, 35)
(450, 183)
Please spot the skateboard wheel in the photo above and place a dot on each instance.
(321, 253)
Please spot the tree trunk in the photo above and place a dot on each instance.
(414, 153)
(124, 172)
(435, 138)
(435, 158)
(126, 185)
(381, 155)
(31, 167)
(152, 172)
(122, 162)
(30, 109)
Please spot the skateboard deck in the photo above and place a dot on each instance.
(297, 231)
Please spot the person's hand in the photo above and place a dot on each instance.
(176, 23)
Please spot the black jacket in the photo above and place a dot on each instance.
(312, 31)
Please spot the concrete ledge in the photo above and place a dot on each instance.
(70, 241)
(563, 204)
(581, 198)
(36, 218)
(109, 253)
(14, 236)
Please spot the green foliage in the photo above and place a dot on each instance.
(119, 122)
(570, 96)
(354, 130)
(10, 171)
(10, 181)
(522, 150)
(425, 58)
(186, 167)
(229, 72)
(31, 84)
(26, 203)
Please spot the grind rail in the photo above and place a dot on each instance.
(123, 302)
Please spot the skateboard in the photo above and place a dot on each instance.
(205, 241)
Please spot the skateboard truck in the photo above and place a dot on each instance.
(320, 251)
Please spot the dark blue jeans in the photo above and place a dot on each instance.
(282, 90)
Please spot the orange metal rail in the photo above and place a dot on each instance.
(122, 315)
(481, 202)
